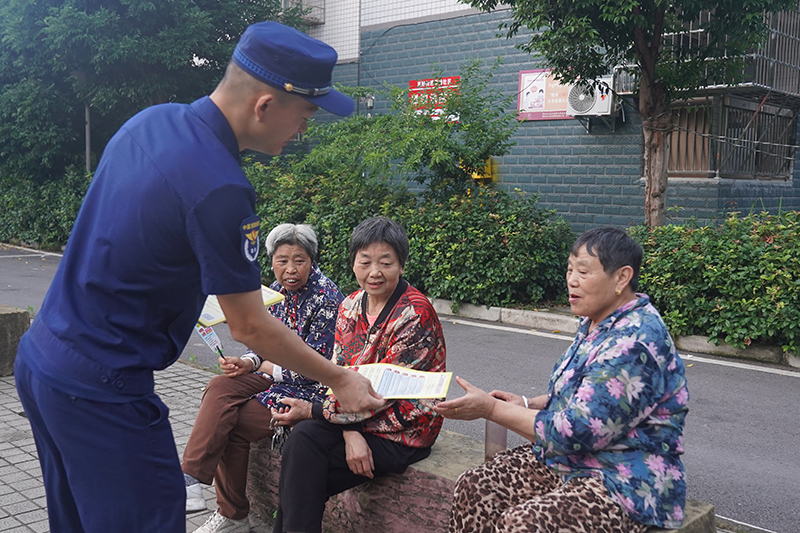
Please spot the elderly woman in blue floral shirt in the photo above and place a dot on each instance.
(238, 407)
(607, 437)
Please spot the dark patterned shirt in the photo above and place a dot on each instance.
(311, 313)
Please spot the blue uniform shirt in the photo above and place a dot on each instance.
(169, 218)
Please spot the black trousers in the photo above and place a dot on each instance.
(314, 468)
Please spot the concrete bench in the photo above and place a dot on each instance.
(421, 497)
(13, 323)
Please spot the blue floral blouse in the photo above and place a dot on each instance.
(311, 313)
(615, 410)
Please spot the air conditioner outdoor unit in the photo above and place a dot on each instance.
(585, 100)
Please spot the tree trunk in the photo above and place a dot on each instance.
(656, 134)
(656, 129)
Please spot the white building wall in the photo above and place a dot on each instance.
(386, 11)
(345, 18)
(341, 29)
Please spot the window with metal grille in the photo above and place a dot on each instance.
(314, 10)
(734, 138)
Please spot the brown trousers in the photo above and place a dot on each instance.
(229, 419)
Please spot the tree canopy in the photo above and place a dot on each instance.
(117, 56)
(588, 39)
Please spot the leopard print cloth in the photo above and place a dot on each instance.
(515, 493)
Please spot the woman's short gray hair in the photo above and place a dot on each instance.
(297, 234)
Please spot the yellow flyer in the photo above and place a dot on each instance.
(212, 314)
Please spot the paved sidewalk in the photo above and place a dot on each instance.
(22, 497)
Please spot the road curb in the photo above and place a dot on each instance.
(554, 322)
(561, 323)
(755, 352)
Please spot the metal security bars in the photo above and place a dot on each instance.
(776, 63)
(756, 144)
(690, 144)
(733, 138)
(315, 10)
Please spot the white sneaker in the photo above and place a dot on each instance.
(217, 523)
(195, 501)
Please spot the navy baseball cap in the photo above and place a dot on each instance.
(288, 59)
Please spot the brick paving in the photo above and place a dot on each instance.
(22, 499)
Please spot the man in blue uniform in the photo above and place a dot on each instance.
(169, 218)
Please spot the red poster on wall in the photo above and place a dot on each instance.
(541, 96)
(429, 96)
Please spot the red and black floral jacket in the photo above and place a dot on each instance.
(407, 333)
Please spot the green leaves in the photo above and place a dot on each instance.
(44, 213)
(488, 248)
(468, 243)
(738, 283)
(117, 56)
(402, 145)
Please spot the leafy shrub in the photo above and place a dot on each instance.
(487, 247)
(41, 213)
(738, 283)
(404, 145)
(332, 204)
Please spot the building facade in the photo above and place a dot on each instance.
(733, 151)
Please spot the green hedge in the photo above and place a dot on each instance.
(486, 248)
(41, 214)
(738, 283)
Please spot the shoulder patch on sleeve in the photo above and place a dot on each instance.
(250, 227)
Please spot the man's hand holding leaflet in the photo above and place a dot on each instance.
(395, 382)
(253, 326)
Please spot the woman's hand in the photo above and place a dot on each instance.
(358, 454)
(291, 413)
(476, 403)
(509, 397)
(235, 366)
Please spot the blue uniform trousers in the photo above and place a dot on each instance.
(107, 467)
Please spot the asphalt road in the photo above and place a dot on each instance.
(742, 433)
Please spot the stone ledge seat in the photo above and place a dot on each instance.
(417, 501)
(14, 323)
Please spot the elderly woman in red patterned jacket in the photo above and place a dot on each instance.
(386, 321)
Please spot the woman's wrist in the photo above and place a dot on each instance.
(254, 360)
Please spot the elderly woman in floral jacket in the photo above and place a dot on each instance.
(387, 321)
(238, 407)
(607, 437)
